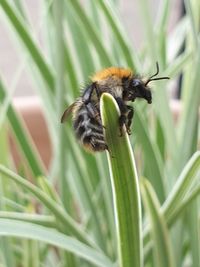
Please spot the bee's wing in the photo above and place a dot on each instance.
(67, 112)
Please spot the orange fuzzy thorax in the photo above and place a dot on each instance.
(112, 71)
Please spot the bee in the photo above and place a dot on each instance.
(124, 86)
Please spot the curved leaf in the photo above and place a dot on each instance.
(31, 231)
(125, 187)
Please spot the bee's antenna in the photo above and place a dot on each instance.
(156, 79)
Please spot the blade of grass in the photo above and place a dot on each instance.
(41, 233)
(23, 138)
(149, 29)
(125, 186)
(44, 220)
(191, 8)
(75, 33)
(174, 203)
(179, 210)
(92, 34)
(182, 185)
(82, 167)
(9, 95)
(40, 70)
(194, 231)
(184, 204)
(23, 34)
(164, 114)
(151, 155)
(173, 70)
(190, 116)
(90, 204)
(162, 29)
(160, 98)
(71, 71)
(58, 211)
(162, 249)
(129, 56)
(31, 254)
(60, 87)
(5, 243)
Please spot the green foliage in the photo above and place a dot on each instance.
(89, 219)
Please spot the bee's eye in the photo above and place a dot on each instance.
(136, 82)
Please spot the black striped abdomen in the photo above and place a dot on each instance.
(88, 128)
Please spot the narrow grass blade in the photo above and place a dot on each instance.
(31, 253)
(162, 248)
(151, 155)
(24, 35)
(124, 179)
(180, 196)
(129, 56)
(190, 116)
(41, 233)
(6, 250)
(184, 205)
(149, 29)
(60, 88)
(193, 216)
(163, 112)
(91, 32)
(58, 8)
(23, 138)
(57, 210)
(182, 185)
(73, 41)
(44, 220)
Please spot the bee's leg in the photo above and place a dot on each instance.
(129, 118)
(91, 110)
(88, 93)
(123, 116)
(94, 114)
(97, 91)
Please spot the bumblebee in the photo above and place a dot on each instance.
(124, 86)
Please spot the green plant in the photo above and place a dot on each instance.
(76, 226)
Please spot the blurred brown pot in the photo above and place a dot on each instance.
(30, 110)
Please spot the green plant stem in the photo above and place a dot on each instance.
(60, 88)
(162, 249)
(124, 179)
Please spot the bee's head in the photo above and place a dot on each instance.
(139, 89)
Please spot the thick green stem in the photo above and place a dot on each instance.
(125, 187)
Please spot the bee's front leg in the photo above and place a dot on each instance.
(129, 119)
(123, 116)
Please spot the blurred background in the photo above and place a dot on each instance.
(48, 50)
(12, 65)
